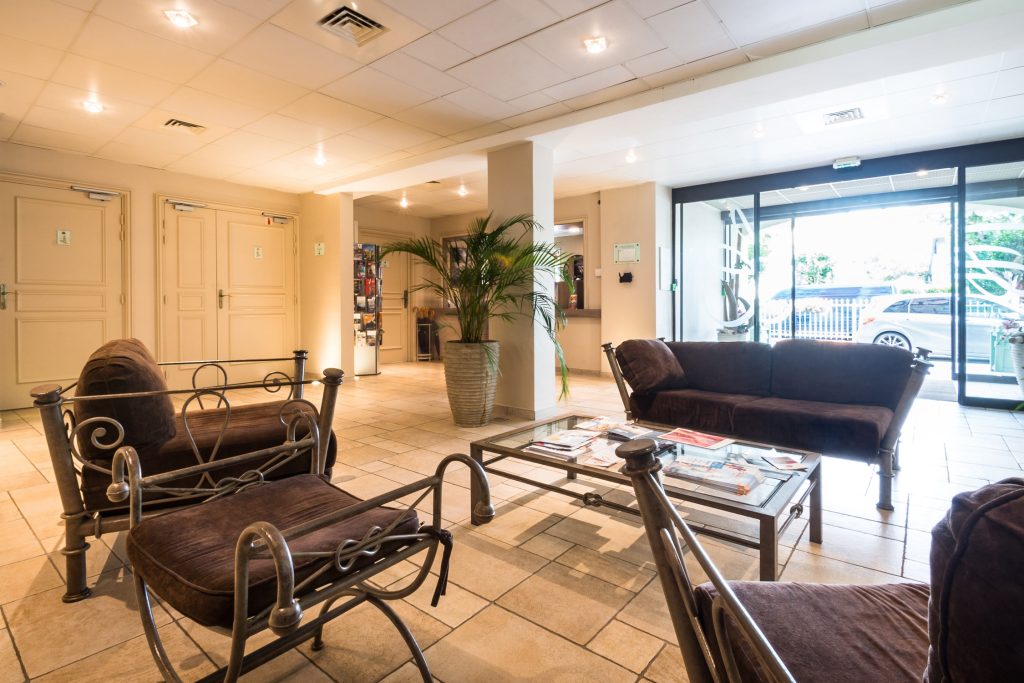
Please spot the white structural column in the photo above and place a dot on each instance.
(520, 179)
(325, 280)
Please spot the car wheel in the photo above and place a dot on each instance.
(893, 339)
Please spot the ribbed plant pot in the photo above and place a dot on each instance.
(1017, 355)
(471, 375)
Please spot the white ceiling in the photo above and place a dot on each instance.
(274, 91)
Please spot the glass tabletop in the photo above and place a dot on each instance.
(742, 453)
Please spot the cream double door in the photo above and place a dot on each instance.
(227, 290)
(61, 283)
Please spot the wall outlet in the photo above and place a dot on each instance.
(64, 238)
(319, 249)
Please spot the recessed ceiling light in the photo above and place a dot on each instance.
(941, 97)
(923, 173)
(803, 188)
(631, 157)
(404, 203)
(758, 131)
(93, 106)
(319, 159)
(180, 18)
(462, 191)
(596, 45)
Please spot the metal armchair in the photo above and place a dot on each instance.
(258, 554)
(123, 401)
(775, 632)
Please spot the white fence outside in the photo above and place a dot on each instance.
(817, 318)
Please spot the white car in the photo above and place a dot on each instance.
(909, 321)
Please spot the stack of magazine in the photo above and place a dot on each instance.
(567, 444)
(732, 477)
(591, 442)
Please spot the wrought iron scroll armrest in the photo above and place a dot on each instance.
(120, 490)
(483, 511)
(286, 613)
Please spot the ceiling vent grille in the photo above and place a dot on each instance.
(844, 116)
(353, 26)
(187, 126)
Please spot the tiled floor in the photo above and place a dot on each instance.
(549, 591)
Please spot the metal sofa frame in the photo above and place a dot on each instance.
(887, 458)
(62, 431)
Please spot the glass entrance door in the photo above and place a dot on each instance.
(991, 284)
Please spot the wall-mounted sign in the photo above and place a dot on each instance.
(626, 253)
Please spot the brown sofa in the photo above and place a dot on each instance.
(836, 398)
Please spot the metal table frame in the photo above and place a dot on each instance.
(773, 516)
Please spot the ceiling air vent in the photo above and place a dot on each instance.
(178, 124)
(353, 26)
(844, 116)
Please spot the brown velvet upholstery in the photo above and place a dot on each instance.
(194, 572)
(707, 411)
(118, 367)
(731, 368)
(839, 372)
(832, 633)
(252, 427)
(976, 614)
(832, 428)
(648, 365)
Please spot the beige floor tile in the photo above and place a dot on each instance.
(41, 508)
(566, 601)
(407, 673)
(488, 567)
(132, 661)
(812, 567)
(455, 606)
(99, 558)
(626, 646)
(17, 542)
(546, 546)
(612, 535)
(8, 510)
(27, 577)
(616, 572)
(648, 612)
(497, 646)
(50, 634)
(363, 645)
(10, 667)
(667, 667)
(515, 524)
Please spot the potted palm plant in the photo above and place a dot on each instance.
(490, 275)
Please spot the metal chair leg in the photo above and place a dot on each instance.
(75, 547)
(885, 477)
(156, 646)
(407, 636)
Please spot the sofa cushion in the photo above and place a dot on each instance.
(251, 427)
(833, 633)
(194, 571)
(729, 368)
(648, 365)
(829, 428)
(840, 372)
(707, 411)
(118, 367)
(977, 564)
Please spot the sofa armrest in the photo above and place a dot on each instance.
(620, 382)
(919, 369)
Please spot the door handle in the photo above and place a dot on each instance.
(405, 298)
(220, 298)
(3, 296)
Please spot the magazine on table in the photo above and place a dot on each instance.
(698, 439)
(567, 439)
(731, 477)
(618, 431)
(785, 462)
(601, 453)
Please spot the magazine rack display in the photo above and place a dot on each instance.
(366, 319)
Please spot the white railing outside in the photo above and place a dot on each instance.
(816, 318)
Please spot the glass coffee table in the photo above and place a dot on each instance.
(755, 520)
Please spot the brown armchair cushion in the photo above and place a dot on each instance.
(976, 614)
(118, 367)
(831, 633)
(194, 571)
(649, 365)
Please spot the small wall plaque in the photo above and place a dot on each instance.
(64, 238)
(257, 252)
(627, 253)
(319, 249)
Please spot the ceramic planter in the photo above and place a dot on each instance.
(471, 376)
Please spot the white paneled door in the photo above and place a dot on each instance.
(227, 291)
(61, 287)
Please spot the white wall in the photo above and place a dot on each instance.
(143, 184)
(321, 277)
